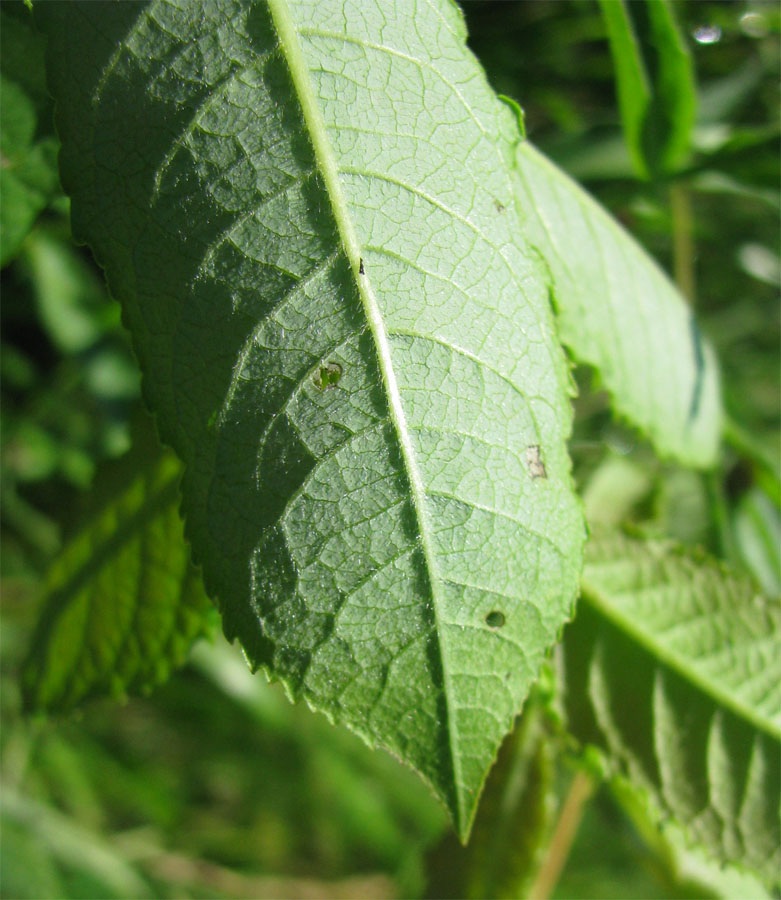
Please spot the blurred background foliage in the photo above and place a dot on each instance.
(214, 785)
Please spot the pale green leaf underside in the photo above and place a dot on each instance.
(617, 311)
(123, 601)
(673, 667)
(307, 211)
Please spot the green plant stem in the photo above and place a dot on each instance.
(720, 513)
(581, 788)
(683, 240)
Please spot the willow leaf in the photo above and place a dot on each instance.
(672, 667)
(618, 312)
(123, 602)
(306, 210)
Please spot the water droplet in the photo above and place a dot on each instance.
(754, 24)
(707, 34)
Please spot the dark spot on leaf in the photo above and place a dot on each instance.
(327, 376)
(499, 207)
(534, 462)
(360, 267)
(494, 619)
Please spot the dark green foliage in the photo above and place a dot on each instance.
(214, 785)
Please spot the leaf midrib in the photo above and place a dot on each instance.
(327, 164)
(601, 603)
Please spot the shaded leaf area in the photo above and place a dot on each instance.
(28, 147)
(355, 359)
(123, 602)
(672, 668)
(618, 312)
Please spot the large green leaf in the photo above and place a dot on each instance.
(306, 210)
(123, 601)
(619, 312)
(673, 668)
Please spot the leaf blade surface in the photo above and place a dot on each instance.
(318, 256)
(618, 312)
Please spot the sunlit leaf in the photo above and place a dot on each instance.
(307, 214)
(618, 311)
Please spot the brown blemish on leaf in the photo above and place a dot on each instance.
(534, 462)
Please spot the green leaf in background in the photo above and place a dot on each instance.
(672, 668)
(688, 870)
(758, 535)
(37, 837)
(123, 601)
(346, 344)
(618, 312)
(72, 305)
(612, 861)
(28, 164)
(655, 79)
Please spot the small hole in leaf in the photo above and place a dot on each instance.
(494, 619)
(327, 376)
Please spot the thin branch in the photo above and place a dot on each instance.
(581, 788)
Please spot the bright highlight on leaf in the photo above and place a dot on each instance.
(617, 311)
(308, 217)
(672, 667)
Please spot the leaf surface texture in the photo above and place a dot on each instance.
(673, 668)
(306, 209)
(123, 603)
(618, 312)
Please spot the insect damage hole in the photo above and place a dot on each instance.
(495, 619)
(327, 376)
(534, 462)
